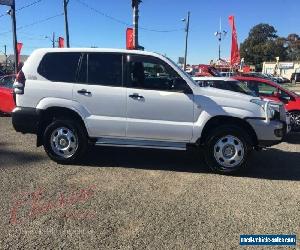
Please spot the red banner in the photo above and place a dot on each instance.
(235, 53)
(19, 48)
(129, 38)
(61, 42)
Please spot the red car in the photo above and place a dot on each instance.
(7, 103)
(273, 91)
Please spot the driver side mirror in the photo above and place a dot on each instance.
(286, 98)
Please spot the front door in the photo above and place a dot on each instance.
(159, 101)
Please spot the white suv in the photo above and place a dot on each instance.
(71, 98)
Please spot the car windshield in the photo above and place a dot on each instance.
(234, 86)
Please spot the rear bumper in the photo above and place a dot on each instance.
(268, 134)
(26, 120)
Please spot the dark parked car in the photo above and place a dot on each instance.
(295, 77)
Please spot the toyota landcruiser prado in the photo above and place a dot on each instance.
(71, 98)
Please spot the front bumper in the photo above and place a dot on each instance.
(26, 120)
(268, 133)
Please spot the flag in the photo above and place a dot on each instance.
(235, 53)
(19, 48)
(61, 42)
(129, 38)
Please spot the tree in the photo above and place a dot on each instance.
(262, 44)
(293, 47)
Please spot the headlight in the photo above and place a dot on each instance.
(259, 102)
(271, 112)
(268, 107)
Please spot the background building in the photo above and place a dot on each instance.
(284, 69)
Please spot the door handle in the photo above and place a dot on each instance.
(136, 96)
(84, 92)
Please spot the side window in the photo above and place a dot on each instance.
(59, 67)
(105, 69)
(266, 90)
(151, 73)
(253, 86)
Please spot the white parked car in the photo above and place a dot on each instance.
(71, 98)
(224, 83)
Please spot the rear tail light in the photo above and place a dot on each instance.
(19, 84)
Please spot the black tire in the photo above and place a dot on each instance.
(295, 121)
(79, 136)
(240, 152)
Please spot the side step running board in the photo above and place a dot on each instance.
(133, 143)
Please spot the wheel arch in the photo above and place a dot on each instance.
(56, 112)
(227, 120)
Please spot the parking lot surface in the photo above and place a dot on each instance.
(135, 199)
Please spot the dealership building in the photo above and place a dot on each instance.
(284, 69)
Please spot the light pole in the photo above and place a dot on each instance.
(220, 35)
(66, 2)
(187, 28)
(135, 7)
(52, 39)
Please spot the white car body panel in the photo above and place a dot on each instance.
(106, 107)
(160, 115)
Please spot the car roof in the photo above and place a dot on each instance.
(215, 78)
(103, 50)
(259, 79)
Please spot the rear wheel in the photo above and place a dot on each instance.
(227, 149)
(295, 121)
(65, 141)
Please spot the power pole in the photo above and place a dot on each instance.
(135, 6)
(66, 2)
(53, 40)
(14, 29)
(187, 28)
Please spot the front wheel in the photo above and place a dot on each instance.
(65, 141)
(295, 121)
(227, 149)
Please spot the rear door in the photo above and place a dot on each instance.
(159, 102)
(100, 91)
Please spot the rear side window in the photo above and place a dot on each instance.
(59, 67)
(105, 69)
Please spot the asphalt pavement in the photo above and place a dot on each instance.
(119, 198)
